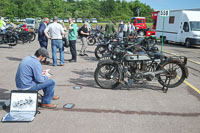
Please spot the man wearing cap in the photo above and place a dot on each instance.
(30, 76)
(56, 32)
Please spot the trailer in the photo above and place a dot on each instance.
(182, 26)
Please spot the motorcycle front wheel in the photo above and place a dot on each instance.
(107, 76)
(99, 51)
(12, 41)
(91, 41)
(173, 71)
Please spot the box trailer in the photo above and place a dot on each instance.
(182, 26)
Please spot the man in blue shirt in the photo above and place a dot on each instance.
(30, 76)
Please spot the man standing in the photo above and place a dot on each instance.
(125, 30)
(43, 40)
(2, 25)
(56, 32)
(30, 76)
(84, 34)
(120, 30)
(72, 40)
(129, 28)
(110, 28)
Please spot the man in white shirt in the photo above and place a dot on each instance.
(56, 32)
(125, 29)
(129, 28)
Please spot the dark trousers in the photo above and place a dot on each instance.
(72, 44)
(43, 44)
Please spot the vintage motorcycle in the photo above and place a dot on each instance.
(25, 36)
(95, 37)
(135, 64)
(103, 48)
(9, 38)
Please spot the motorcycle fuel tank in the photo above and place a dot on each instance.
(137, 57)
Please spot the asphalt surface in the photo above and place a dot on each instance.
(138, 109)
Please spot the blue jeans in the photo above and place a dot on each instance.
(54, 45)
(48, 89)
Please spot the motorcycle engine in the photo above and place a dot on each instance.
(137, 68)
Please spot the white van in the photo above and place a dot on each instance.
(182, 26)
(32, 23)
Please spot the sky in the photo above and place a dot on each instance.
(172, 4)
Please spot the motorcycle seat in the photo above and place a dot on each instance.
(158, 55)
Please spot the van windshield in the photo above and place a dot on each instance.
(195, 26)
(29, 21)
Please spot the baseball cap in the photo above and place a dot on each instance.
(43, 52)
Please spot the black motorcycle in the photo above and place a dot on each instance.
(95, 37)
(25, 36)
(134, 64)
(105, 48)
(9, 37)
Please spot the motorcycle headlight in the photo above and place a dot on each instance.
(110, 47)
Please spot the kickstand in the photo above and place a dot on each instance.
(166, 85)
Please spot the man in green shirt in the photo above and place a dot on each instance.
(72, 40)
(110, 28)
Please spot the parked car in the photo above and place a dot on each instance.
(87, 20)
(94, 20)
(66, 20)
(79, 20)
(51, 20)
(60, 20)
(74, 20)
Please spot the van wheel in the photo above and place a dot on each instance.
(164, 39)
(187, 43)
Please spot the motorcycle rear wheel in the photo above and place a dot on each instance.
(174, 71)
(31, 36)
(107, 76)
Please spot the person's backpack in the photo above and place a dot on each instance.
(65, 42)
(79, 31)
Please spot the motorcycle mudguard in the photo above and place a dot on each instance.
(180, 62)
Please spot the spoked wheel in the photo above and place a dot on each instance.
(107, 76)
(24, 38)
(100, 51)
(12, 41)
(173, 71)
(91, 41)
(31, 36)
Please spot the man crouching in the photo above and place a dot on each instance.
(30, 76)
